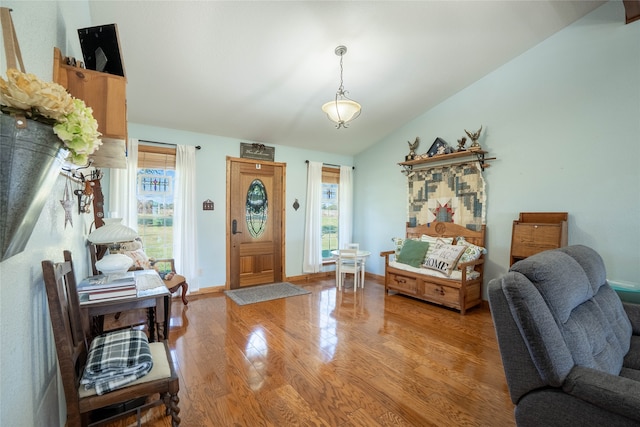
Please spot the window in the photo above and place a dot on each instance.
(155, 189)
(330, 209)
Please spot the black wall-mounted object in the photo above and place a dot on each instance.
(101, 49)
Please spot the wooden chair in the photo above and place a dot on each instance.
(176, 281)
(72, 348)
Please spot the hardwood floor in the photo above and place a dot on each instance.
(334, 359)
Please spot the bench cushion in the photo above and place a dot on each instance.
(455, 275)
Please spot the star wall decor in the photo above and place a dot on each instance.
(67, 204)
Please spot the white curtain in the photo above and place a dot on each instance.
(345, 203)
(123, 202)
(312, 253)
(185, 239)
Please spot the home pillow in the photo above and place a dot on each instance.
(445, 258)
(434, 242)
(413, 252)
(471, 253)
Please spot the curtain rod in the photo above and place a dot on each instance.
(164, 143)
(330, 164)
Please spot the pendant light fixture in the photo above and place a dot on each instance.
(341, 110)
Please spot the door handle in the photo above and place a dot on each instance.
(234, 227)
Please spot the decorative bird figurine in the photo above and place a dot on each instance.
(461, 143)
(474, 138)
(412, 148)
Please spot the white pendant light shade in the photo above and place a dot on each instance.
(342, 110)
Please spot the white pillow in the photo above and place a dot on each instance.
(471, 253)
(140, 259)
(444, 258)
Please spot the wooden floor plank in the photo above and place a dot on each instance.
(333, 358)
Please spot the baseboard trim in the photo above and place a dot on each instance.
(300, 278)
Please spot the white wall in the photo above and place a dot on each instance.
(563, 120)
(31, 393)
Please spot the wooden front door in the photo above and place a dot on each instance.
(255, 222)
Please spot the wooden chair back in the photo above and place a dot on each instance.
(448, 229)
(69, 335)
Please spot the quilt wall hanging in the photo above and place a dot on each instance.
(449, 194)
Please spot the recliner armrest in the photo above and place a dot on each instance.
(610, 392)
(633, 311)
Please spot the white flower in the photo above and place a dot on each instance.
(74, 122)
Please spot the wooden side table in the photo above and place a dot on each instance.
(152, 294)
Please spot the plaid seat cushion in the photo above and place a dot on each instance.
(116, 359)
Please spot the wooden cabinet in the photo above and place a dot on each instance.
(535, 232)
(106, 95)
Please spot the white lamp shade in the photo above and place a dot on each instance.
(112, 232)
(342, 110)
(112, 264)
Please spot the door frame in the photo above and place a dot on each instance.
(229, 162)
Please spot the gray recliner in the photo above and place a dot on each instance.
(569, 346)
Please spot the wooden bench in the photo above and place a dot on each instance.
(460, 294)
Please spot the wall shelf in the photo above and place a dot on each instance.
(456, 158)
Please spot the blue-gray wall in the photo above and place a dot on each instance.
(563, 120)
(211, 184)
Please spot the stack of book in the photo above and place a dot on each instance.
(103, 287)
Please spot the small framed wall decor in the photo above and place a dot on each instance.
(438, 147)
(257, 151)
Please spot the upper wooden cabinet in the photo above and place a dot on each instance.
(104, 93)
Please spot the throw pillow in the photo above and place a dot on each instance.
(140, 259)
(413, 252)
(471, 253)
(434, 242)
(133, 245)
(398, 242)
(445, 258)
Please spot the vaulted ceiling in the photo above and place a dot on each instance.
(260, 70)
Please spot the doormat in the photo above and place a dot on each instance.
(265, 293)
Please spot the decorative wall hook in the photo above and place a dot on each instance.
(75, 174)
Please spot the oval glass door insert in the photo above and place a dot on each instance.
(256, 208)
